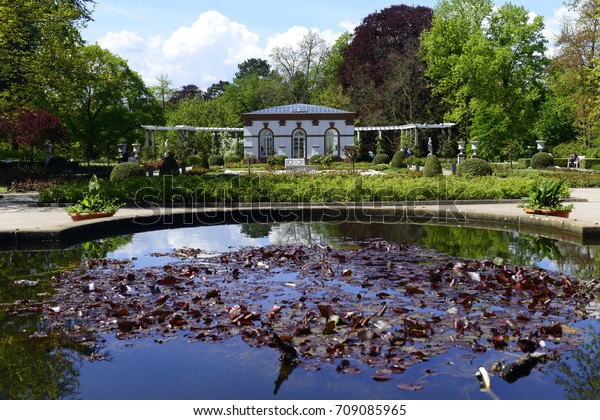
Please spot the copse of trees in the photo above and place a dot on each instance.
(487, 66)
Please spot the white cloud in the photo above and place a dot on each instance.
(207, 51)
(204, 52)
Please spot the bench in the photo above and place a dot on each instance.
(299, 165)
(576, 163)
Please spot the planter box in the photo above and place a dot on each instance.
(86, 216)
(547, 212)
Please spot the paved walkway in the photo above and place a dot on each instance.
(19, 217)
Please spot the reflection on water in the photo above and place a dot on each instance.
(37, 362)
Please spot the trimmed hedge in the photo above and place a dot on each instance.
(474, 167)
(381, 158)
(216, 160)
(292, 188)
(169, 166)
(127, 170)
(398, 160)
(541, 160)
(432, 167)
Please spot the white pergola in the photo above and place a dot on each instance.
(182, 130)
(406, 127)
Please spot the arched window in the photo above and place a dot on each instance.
(298, 141)
(332, 142)
(265, 143)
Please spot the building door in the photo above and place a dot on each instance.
(298, 144)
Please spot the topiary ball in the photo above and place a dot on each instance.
(474, 167)
(381, 158)
(216, 160)
(232, 158)
(541, 160)
(169, 166)
(57, 164)
(398, 160)
(127, 170)
(432, 167)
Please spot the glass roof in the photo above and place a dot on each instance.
(298, 108)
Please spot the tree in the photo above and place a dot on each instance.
(487, 66)
(332, 93)
(216, 89)
(37, 40)
(302, 66)
(256, 66)
(31, 129)
(162, 90)
(109, 103)
(574, 68)
(381, 69)
(186, 92)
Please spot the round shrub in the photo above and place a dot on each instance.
(432, 167)
(57, 164)
(169, 166)
(474, 167)
(276, 160)
(232, 158)
(194, 160)
(398, 160)
(127, 170)
(216, 160)
(317, 159)
(381, 158)
(541, 160)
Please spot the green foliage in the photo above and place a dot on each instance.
(276, 160)
(398, 160)
(94, 200)
(323, 187)
(107, 103)
(548, 194)
(127, 170)
(432, 167)
(381, 158)
(473, 45)
(57, 164)
(232, 158)
(216, 160)
(474, 167)
(169, 166)
(194, 160)
(541, 160)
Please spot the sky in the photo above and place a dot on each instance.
(201, 42)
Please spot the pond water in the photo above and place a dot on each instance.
(38, 362)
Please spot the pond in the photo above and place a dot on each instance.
(367, 311)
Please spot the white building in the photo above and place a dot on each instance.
(298, 131)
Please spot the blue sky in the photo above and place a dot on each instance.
(202, 41)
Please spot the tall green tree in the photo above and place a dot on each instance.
(109, 103)
(487, 66)
(302, 65)
(37, 41)
(163, 89)
(575, 73)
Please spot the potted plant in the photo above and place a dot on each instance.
(547, 198)
(93, 204)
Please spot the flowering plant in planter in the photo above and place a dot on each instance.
(93, 201)
(546, 197)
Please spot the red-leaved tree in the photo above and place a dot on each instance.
(31, 129)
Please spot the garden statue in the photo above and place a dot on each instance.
(430, 146)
